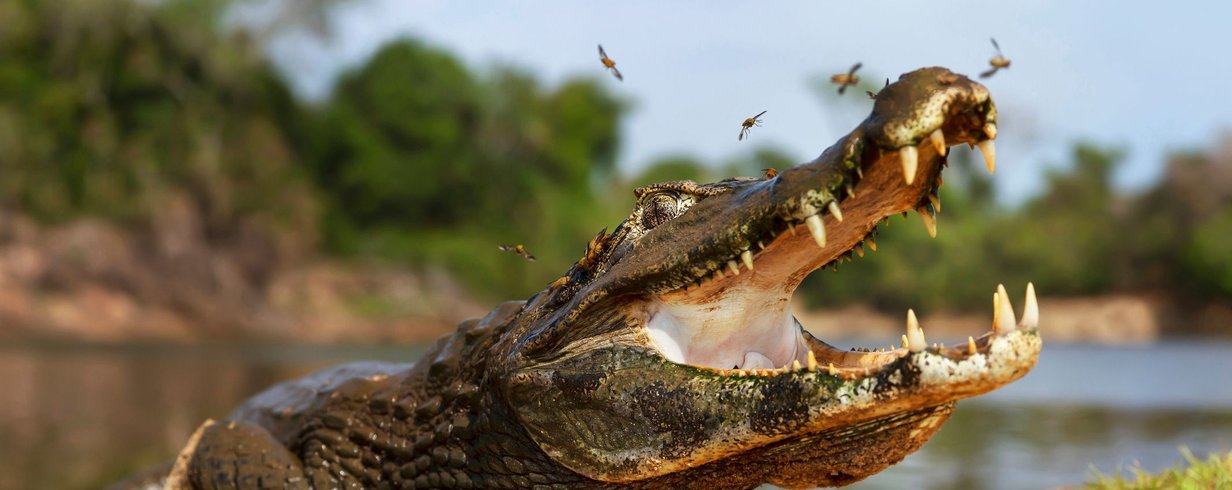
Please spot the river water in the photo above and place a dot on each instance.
(77, 416)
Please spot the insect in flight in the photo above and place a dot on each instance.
(998, 62)
(844, 80)
(609, 64)
(517, 249)
(748, 124)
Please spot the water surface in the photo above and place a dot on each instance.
(75, 416)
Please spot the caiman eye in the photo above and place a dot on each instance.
(660, 208)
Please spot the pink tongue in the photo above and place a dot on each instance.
(755, 360)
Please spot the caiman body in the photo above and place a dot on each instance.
(667, 357)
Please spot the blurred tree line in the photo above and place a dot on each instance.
(1080, 236)
(108, 107)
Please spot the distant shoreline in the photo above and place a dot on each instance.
(94, 281)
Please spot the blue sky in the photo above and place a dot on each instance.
(1152, 77)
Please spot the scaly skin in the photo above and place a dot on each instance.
(624, 372)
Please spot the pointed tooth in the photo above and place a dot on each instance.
(971, 346)
(938, 140)
(795, 365)
(989, 150)
(718, 273)
(811, 363)
(740, 372)
(935, 200)
(911, 161)
(817, 229)
(791, 229)
(860, 172)
(990, 129)
(832, 370)
(860, 250)
(733, 267)
(996, 309)
(1030, 310)
(905, 343)
(915, 334)
(834, 210)
(871, 244)
(1004, 315)
(851, 192)
(747, 257)
(930, 222)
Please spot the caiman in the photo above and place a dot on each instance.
(667, 357)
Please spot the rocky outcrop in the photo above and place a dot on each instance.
(171, 280)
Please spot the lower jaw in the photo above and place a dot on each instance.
(703, 335)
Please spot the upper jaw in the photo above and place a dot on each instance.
(771, 234)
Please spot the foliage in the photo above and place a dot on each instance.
(1215, 472)
(424, 161)
(109, 108)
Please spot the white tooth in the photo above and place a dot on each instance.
(930, 223)
(838, 214)
(755, 360)
(817, 229)
(911, 161)
(938, 141)
(1004, 316)
(990, 129)
(795, 365)
(971, 346)
(812, 361)
(935, 201)
(733, 267)
(915, 334)
(996, 307)
(1030, 311)
(851, 192)
(905, 343)
(747, 257)
(990, 154)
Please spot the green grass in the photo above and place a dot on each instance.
(1213, 473)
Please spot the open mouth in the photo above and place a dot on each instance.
(734, 316)
(672, 343)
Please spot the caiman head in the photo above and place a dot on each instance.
(669, 352)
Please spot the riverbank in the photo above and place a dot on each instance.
(94, 281)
